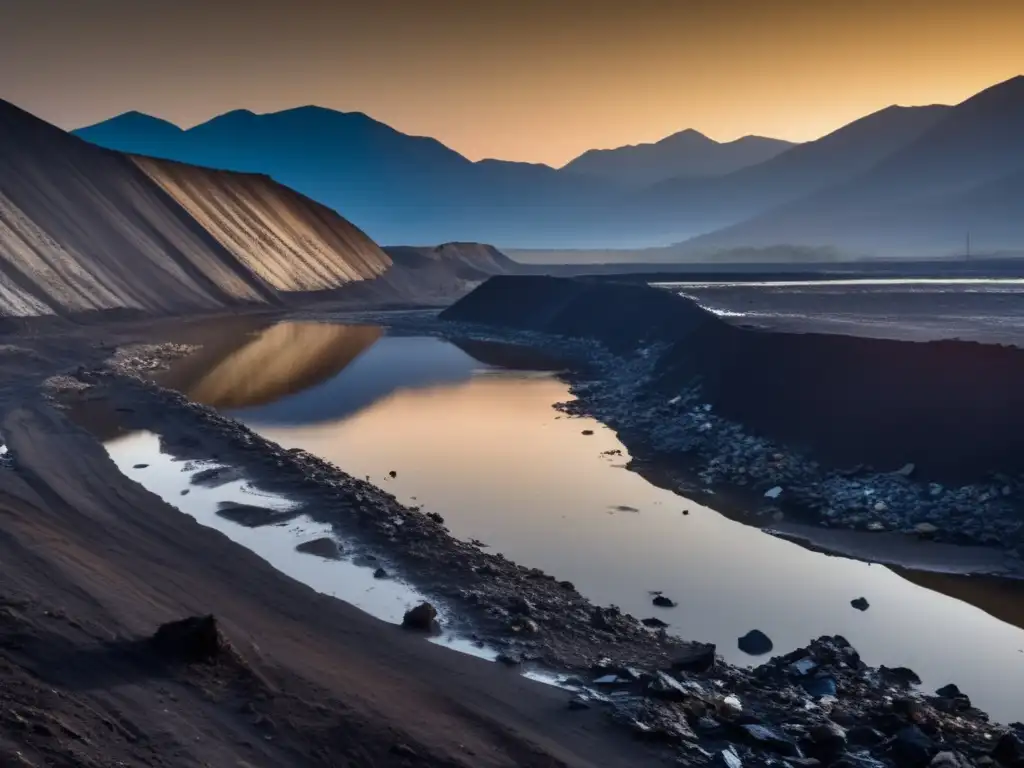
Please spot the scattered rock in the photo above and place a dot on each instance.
(912, 747)
(949, 760)
(324, 547)
(663, 602)
(436, 517)
(422, 618)
(860, 603)
(950, 691)
(819, 686)
(654, 623)
(771, 739)
(252, 516)
(773, 493)
(194, 639)
(726, 758)
(380, 573)
(185, 492)
(508, 660)
(1009, 751)
(587, 432)
(700, 658)
(756, 643)
(392, 474)
(900, 676)
(828, 741)
(140, 466)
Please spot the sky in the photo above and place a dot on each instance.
(530, 80)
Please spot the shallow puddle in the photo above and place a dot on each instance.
(350, 578)
(480, 444)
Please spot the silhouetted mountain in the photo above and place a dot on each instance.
(687, 153)
(399, 188)
(963, 174)
(681, 208)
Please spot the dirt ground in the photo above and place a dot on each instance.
(93, 564)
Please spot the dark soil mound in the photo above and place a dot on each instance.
(953, 408)
(196, 638)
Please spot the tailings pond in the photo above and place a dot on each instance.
(468, 430)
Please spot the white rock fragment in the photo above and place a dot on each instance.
(773, 493)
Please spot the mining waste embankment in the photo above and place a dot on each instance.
(953, 409)
(84, 228)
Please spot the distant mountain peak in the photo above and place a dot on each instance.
(687, 153)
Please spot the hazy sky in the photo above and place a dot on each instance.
(537, 80)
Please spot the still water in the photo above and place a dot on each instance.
(469, 430)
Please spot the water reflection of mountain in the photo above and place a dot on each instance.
(259, 369)
(307, 373)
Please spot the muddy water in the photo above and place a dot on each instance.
(479, 443)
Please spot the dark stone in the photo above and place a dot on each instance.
(393, 474)
(756, 643)
(520, 605)
(699, 657)
(821, 685)
(654, 623)
(911, 748)
(380, 573)
(325, 547)
(196, 638)
(948, 691)
(827, 741)
(568, 586)
(858, 760)
(422, 618)
(664, 686)
(140, 466)
(770, 738)
(861, 604)
(252, 516)
(436, 517)
(949, 760)
(864, 735)
(726, 758)
(900, 676)
(599, 620)
(588, 432)
(1009, 751)
(185, 492)
(663, 602)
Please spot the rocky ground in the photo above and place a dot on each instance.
(816, 706)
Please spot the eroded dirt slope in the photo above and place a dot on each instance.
(83, 228)
(290, 241)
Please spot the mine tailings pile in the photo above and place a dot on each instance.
(955, 409)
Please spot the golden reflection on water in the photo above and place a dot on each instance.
(276, 362)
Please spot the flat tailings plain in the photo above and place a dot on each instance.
(955, 409)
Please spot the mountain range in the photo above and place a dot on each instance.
(903, 181)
